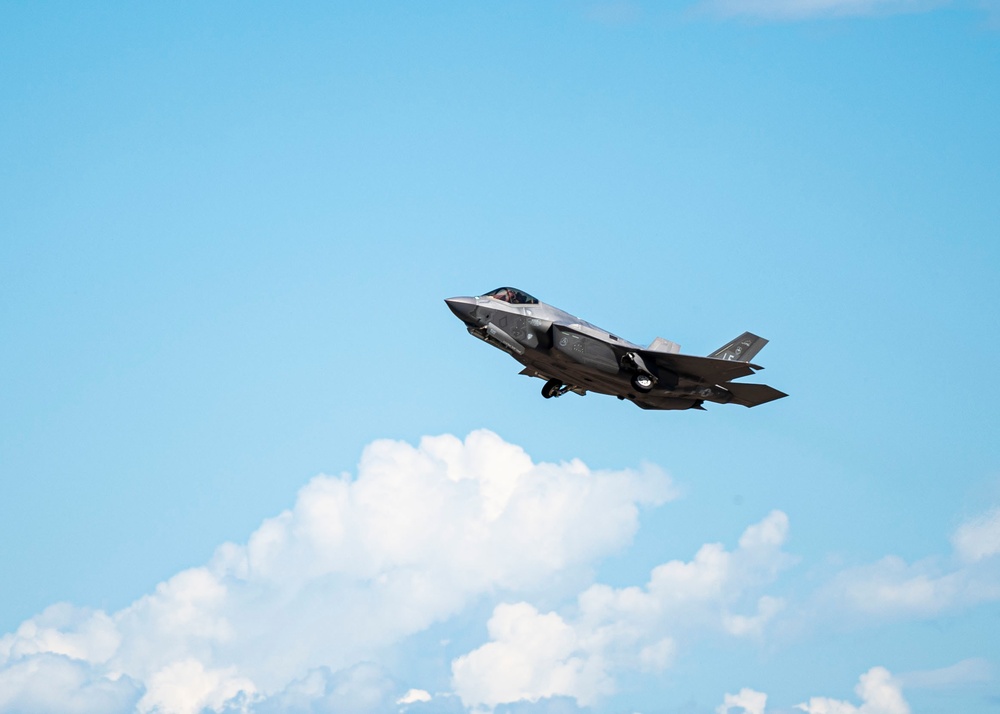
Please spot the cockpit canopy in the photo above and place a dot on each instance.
(512, 295)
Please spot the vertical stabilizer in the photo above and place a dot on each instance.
(742, 349)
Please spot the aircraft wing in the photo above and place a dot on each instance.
(705, 369)
(602, 353)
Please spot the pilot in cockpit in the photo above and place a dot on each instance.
(505, 294)
(514, 297)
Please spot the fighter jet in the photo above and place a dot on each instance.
(572, 355)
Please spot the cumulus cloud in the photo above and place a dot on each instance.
(531, 655)
(63, 629)
(186, 687)
(57, 684)
(357, 565)
(879, 692)
(363, 688)
(747, 701)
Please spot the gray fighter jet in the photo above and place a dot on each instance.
(572, 355)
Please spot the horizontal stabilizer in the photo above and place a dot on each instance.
(742, 349)
(750, 395)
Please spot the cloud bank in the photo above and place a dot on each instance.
(355, 567)
(309, 614)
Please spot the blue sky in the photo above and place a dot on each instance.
(225, 235)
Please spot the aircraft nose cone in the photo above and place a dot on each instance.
(463, 307)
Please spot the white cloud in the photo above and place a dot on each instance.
(702, 592)
(363, 688)
(746, 700)
(186, 687)
(63, 629)
(414, 695)
(880, 693)
(531, 655)
(767, 608)
(891, 587)
(357, 565)
(969, 671)
(895, 588)
(44, 683)
(978, 538)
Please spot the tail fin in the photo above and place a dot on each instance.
(742, 349)
(750, 395)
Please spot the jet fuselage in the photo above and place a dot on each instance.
(573, 355)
